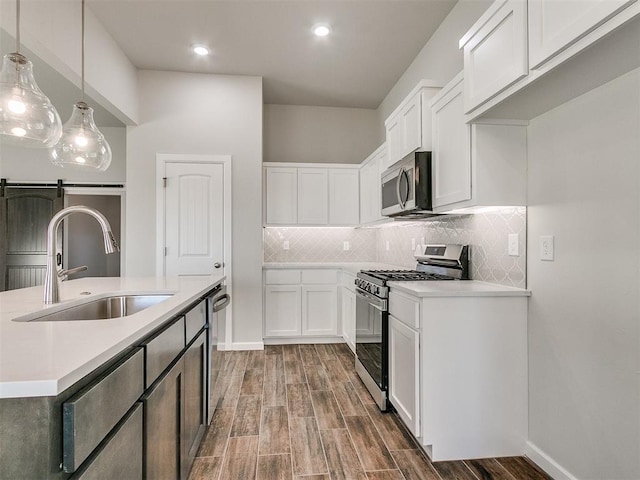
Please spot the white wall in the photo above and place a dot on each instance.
(185, 113)
(33, 165)
(51, 30)
(584, 314)
(294, 133)
(439, 60)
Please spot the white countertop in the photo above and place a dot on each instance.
(44, 358)
(457, 288)
(350, 267)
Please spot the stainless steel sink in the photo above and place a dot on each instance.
(100, 309)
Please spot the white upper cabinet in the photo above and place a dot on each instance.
(475, 165)
(495, 52)
(281, 196)
(524, 57)
(344, 201)
(408, 128)
(556, 24)
(370, 201)
(311, 194)
(451, 147)
(313, 205)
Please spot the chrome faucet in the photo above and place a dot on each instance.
(52, 277)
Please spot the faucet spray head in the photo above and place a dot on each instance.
(110, 244)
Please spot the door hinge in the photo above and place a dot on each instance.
(164, 182)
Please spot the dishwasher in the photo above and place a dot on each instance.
(217, 302)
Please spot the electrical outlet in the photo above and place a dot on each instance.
(345, 245)
(546, 247)
(513, 245)
(413, 244)
(386, 246)
(285, 245)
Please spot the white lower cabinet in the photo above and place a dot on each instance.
(282, 310)
(349, 317)
(300, 303)
(404, 384)
(319, 310)
(458, 373)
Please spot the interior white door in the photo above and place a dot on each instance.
(194, 218)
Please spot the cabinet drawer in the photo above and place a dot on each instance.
(88, 416)
(320, 277)
(348, 281)
(194, 320)
(282, 277)
(121, 455)
(162, 349)
(405, 309)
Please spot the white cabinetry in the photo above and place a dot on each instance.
(556, 24)
(524, 57)
(313, 204)
(300, 303)
(408, 128)
(348, 310)
(495, 52)
(344, 198)
(475, 165)
(370, 201)
(281, 196)
(311, 194)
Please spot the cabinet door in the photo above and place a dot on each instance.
(495, 55)
(282, 310)
(349, 317)
(195, 419)
(411, 116)
(163, 414)
(365, 187)
(556, 24)
(344, 196)
(282, 196)
(404, 360)
(319, 310)
(451, 148)
(394, 138)
(313, 194)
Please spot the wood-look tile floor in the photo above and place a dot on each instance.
(300, 412)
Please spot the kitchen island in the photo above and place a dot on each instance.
(51, 371)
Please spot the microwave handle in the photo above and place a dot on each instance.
(405, 175)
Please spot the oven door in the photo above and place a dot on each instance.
(398, 187)
(372, 345)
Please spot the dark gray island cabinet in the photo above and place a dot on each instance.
(140, 415)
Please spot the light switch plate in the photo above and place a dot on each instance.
(285, 245)
(546, 247)
(513, 245)
(345, 245)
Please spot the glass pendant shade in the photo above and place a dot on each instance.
(27, 117)
(81, 145)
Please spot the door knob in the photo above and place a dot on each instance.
(217, 265)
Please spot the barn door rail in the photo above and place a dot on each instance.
(60, 184)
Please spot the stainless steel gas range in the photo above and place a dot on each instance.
(435, 262)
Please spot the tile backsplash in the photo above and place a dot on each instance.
(486, 232)
(316, 245)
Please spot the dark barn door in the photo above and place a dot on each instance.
(24, 216)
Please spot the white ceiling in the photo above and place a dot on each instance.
(372, 43)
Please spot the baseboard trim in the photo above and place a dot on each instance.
(245, 346)
(297, 340)
(548, 464)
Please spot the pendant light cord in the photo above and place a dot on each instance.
(82, 62)
(17, 26)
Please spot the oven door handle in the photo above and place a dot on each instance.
(373, 300)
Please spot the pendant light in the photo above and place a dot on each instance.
(82, 145)
(27, 117)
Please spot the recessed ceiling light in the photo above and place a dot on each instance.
(321, 30)
(200, 49)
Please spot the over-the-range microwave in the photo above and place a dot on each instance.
(406, 188)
